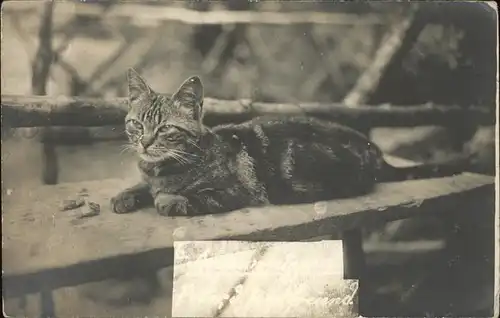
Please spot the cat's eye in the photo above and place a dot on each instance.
(170, 133)
(134, 124)
(167, 130)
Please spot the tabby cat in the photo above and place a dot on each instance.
(189, 169)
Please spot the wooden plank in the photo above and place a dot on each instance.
(400, 162)
(158, 14)
(45, 246)
(32, 111)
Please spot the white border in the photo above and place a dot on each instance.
(496, 295)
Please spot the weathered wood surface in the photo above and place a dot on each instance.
(33, 111)
(43, 246)
(158, 14)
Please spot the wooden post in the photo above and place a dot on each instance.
(354, 261)
(50, 165)
(40, 73)
(354, 258)
(47, 304)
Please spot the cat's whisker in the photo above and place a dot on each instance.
(192, 143)
(183, 159)
(178, 157)
(187, 153)
(125, 148)
(188, 157)
(193, 156)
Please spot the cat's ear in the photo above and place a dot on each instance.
(138, 89)
(190, 97)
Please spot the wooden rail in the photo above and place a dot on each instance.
(38, 111)
(157, 14)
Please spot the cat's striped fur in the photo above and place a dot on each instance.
(189, 169)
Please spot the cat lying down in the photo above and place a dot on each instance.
(189, 169)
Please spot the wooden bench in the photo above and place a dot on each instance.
(45, 249)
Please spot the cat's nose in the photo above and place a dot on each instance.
(146, 141)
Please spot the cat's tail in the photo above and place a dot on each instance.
(425, 171)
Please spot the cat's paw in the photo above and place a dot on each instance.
(123, 202)
(171, 205)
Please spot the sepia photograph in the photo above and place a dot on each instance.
(245, 158)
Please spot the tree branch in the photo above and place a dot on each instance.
(44, 55)
(397, 39)
(59, 65)
(152, 14)
(33, 111)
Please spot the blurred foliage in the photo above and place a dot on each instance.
(436, 42)
(289, 63)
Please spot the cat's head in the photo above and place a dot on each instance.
(161, 127)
